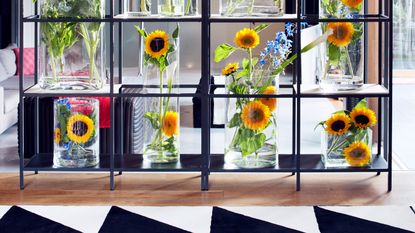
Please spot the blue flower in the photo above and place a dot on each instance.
(289, 29)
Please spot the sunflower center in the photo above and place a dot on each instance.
(362, 119)
(247, 40)
(338, 125)
(157, 44)
(357, 153)
(79, 128)
(340, 33)
(256, 116)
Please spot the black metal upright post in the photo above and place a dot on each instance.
(297, 94)
(111, 63)
(21, 98)
(390, 83)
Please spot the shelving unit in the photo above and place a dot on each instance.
(206, 162)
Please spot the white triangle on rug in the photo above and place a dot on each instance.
(193, 219)
(396, 216)
(82, 218)
(289, 217)
(3, 210)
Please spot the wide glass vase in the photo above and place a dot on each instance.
(71, 53)
(76, 133)
(240, 8)
(333, 148)
(191, 7)
(171, 7)
(162, 114)
(343, 57)
(340, 8)
(134, 8)
(251, 128)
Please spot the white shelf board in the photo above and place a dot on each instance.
(105, 90)
(260, 18)
(366, 89)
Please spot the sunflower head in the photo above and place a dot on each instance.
(271, 103)
(352, 3)
(247, 38)
(363, 117)
(170, 124)
(57, 135)
(342, 33)
(255, 115)
(230, 69)
(338, 124)
(157, 44)
(80, 128)
(357, 154)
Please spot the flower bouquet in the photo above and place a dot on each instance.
(161, 130)
(252, 7)
(347, 138)
(76, 133)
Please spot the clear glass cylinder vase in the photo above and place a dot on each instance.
(76, 133)
(343, 57)
(171, 7)
(191, 7)
(133, 8)
(333, 148)
(71, 54)
(251, 128)
(340, 8)
(240, 8)
(162, 114)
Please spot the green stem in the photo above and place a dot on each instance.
(188, 4)
(251, 7)
(349, 61)
(143, 5)
(250, 67)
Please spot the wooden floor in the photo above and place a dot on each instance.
(226, 189)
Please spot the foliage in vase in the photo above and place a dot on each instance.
(349, 135)
(165, 122)
(340, 8)
(171, 7)
(251, 7)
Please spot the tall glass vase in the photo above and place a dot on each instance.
(133, 8)
(162, 114)
(71, 54)
(190, 7)
(251, 128)
(76, 132)
(343, 57)
(171, 7)
(240, 8)
(340, 8)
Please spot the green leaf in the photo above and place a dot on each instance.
(250, 145)
(320, 124)
(260, 27)
(235, 121)
(223, 51)
(361, 104)
(140, 31)
(154, 119)
(242, 73)
(176, 32)
(245, 63)
(334, 54)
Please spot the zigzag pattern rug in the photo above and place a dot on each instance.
(63, 219)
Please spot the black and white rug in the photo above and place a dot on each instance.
(62, 219)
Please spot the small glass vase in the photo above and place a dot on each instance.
(71, 54)
(340, 8)
(332, 147)
(240, 8)
(162, 114)
(191, 7)
(171, 7)
(76, 133)
(134, 8)
(342, 58)
(248, 145)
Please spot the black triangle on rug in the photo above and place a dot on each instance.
(123, 221)
(19, 220)
(333, 222)
(224, 221)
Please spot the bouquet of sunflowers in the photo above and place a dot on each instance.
(346, 139)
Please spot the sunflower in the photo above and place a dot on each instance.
(342, 33)
(170, 124)
(357, 154)
(157, 44)
(352, 3)
(363, 117)
(230, 69)
(271, 103)
(57, 135)
(255, 115)
(80, 128)
(338, 124)
(246, 38)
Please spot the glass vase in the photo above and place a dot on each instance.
(332, 147)
(191, 7)
(251, 135)
(343, 57)
(162, 114)
(134, 8)
(76, 133)
(340, 8)
(171, 7)
(71, 54)
(240, 8)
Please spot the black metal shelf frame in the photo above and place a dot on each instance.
(295, 163)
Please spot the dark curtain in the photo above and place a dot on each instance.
(5, 23)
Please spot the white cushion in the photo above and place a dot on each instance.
(7, 63)
(11, 100)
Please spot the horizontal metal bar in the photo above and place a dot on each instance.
(37, 18)
(218, 19)
(149, 95)
(155, 18)
(124, 86)
(69, 94)
(338, 95)
(252, 96)
(361, 18)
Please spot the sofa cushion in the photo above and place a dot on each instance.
(12, 83)
(11, 100)
(28, 61)
(7, 63)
